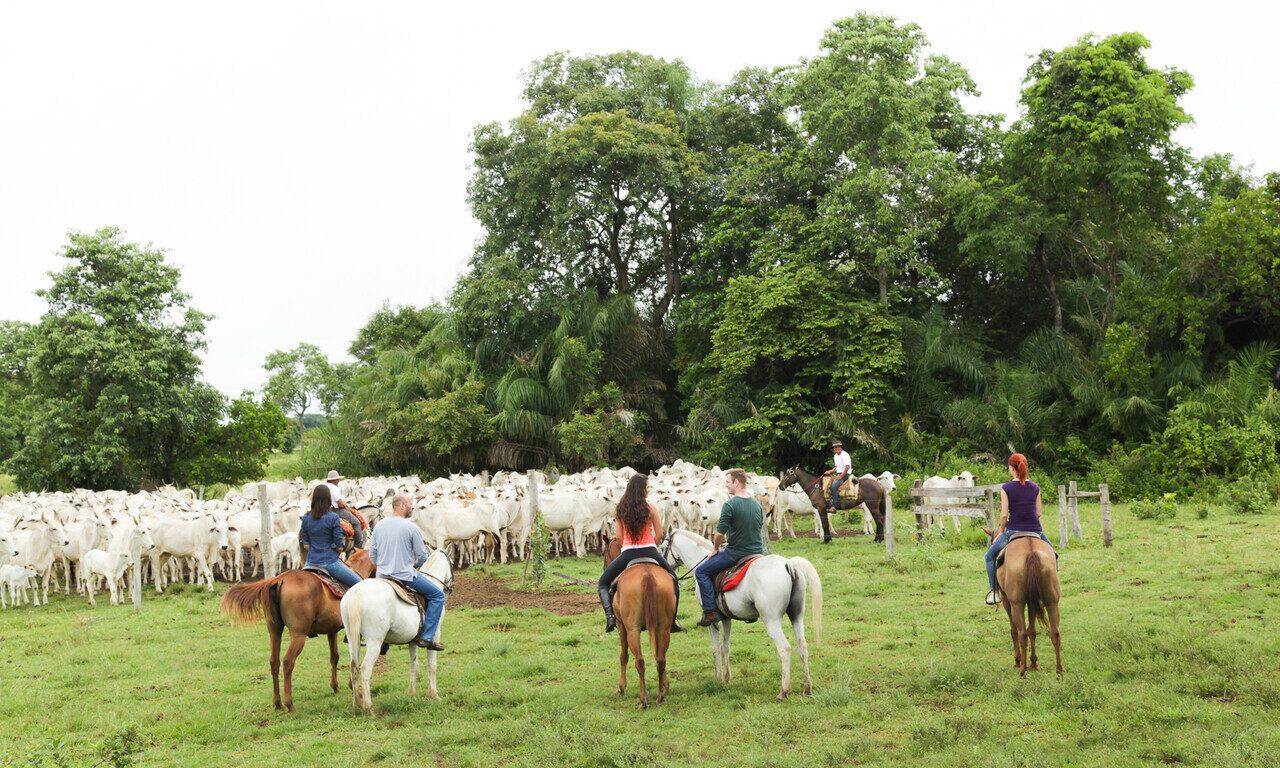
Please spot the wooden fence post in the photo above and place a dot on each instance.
(1062, 517)
(1074, 506)
(888, 525)
(920, 519)
(533, 519)
(991, 509)
(484, 478)
(1105, 500)
(135, 551)
(268, 530)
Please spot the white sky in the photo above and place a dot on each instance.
(304, 162)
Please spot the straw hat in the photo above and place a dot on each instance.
(333, 475)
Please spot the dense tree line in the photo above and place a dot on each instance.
(738, 272)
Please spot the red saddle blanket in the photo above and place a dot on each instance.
(333, 585)
(732, 577)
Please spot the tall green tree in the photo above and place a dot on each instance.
(115, 398)
(301, 377)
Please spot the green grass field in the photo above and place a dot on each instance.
(1170, 646)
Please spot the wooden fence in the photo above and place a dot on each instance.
(1069, 512)
(982, 509)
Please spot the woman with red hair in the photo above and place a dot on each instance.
(1019, 511)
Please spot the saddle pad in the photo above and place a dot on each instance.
(633, 563)
(732, 577)
(847, 491)
(336, 587)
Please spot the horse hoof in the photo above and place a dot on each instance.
(782, 696)
(808, 690)
(278, 706)
(643, 706)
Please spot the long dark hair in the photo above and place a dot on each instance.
(321, 501)
(633, 508)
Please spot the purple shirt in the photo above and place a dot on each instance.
(1022, 506)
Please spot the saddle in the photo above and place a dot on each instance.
(1014, 536)
(849, 491)
(333, 585)
(638, 561)
(729, 578)
(407, 594)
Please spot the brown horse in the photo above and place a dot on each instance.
(297, 600)
(870, 492)
(1029, 579)
(646, 599)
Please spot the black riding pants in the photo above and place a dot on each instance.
(619, 564)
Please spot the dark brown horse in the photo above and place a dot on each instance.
(1028, 580)
(299, 601)
(870, 492)
(646, 599)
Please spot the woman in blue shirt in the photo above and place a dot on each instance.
(1019, 511)
(321, 535)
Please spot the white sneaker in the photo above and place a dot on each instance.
(993, 597)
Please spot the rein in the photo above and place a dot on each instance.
(688, 571)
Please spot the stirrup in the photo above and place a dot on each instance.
(993, 597)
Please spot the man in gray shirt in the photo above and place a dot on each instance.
(397, 552)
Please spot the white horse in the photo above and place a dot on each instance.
(372, 612)
(773, 587)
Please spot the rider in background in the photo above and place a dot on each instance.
(1019, 511)
(342, 510)
(640, 529)
(741, 520)
(397, 552)
(320, 536)
(843, 468)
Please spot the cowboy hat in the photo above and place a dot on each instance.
(333, 475)
(837, 444)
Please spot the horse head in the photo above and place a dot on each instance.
(791, 478)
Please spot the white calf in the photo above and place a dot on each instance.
(16, 580)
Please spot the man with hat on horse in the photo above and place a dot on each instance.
(842, 470)
(741, 522)
(340, 506)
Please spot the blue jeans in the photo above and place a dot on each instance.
(339, 570)
(836, 482)
(994, 549)
(706, 573)
(435, 604)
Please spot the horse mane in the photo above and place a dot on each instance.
(697, 539)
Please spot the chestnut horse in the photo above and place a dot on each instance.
(297, 600)
(645, 599)
(1028, 580)
(870, 492)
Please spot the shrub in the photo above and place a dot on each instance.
(1203, 513)
(1248, 496)
(1158, 509)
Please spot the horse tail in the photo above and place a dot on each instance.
(649, 599)
(1035, 601)
(248, 603)
(810, 576)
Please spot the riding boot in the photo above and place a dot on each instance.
(605, 600)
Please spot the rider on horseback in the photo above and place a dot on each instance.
(1019, 511)
(320, 537)
(741, 520)
(340, 508)
(397, 552)
(842, 470)
(638, 526)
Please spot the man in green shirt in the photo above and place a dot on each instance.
(741, 520)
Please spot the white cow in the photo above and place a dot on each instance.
(201, 539)
(963, 480)
(887, 481)
(16, 580)
(287, 551)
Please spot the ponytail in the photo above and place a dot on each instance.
(1018, 463)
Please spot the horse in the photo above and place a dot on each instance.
(870, 492)
(371, 612)
(773, 587)
(645, 599)
(1029, 578)
(297, 600)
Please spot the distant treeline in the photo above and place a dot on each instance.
(738, 272)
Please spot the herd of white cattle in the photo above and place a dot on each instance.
(86, 538)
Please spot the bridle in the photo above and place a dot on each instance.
(666, 554)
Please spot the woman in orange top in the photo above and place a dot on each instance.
(636, 523)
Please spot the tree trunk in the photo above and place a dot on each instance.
(301, 429)
(1050, 284)
(884, 284)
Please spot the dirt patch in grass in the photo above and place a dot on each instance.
(488, 592)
